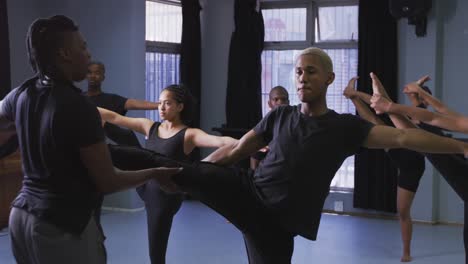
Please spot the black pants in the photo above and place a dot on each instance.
(160, 210)
(454, 169)
(229, 191)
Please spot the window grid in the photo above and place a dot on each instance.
(163, 36)
(279, 55)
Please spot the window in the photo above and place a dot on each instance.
(291, 26)
(163, 36)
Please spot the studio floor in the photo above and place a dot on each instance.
(201, 236)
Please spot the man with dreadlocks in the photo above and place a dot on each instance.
(66, 164)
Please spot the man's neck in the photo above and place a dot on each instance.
(93, 91)
(314, 109)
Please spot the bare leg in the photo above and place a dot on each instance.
(404, 201)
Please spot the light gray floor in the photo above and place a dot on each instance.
(201, 236)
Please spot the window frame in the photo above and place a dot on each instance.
(311, 8)
(162, 46)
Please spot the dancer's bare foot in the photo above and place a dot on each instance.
(406, 258)
(377, 86)
(350, 90)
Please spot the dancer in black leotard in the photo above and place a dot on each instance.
(410, 166)
(454, 168)
(176, 140)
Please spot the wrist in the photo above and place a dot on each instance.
(389, 107)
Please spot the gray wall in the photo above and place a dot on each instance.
(115, 34)
(19, 19)
(217, 23)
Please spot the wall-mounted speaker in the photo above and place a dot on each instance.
(415, 10)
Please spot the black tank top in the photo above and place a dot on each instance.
(172, 147)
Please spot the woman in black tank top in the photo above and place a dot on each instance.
(171, 137)
(454, 168)
(410, 164)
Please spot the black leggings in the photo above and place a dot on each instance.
(160, 210)
(454, 169)
(228, 191)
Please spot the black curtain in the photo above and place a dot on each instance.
(375, 175)
(190, 54)
(243, 98)
(5, 81)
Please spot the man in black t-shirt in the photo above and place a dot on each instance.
(307, 145)
(66, 164)
(116, 103)
(278, 96)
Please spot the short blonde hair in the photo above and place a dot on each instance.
(322, 55)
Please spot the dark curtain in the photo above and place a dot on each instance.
(375, 176)
(243, 98)
(190, 59)
(190, 54)
(5, 81)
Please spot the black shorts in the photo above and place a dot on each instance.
(410, 166)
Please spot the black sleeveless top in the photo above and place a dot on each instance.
(172, 147)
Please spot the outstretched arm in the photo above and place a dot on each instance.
(134, 104)
(449, 122)
(362, 109)
(232, 153)
(414, 139)
(108, 179)
(415, 87)
(195, 137)
(140, 125)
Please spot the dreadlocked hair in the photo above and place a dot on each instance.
(182, 95)
(44, 38)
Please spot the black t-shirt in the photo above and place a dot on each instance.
(53, 121)
(259, 155)
(113, 102)
(304, 155)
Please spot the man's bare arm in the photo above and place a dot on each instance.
(134, 104)
(96, 159)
